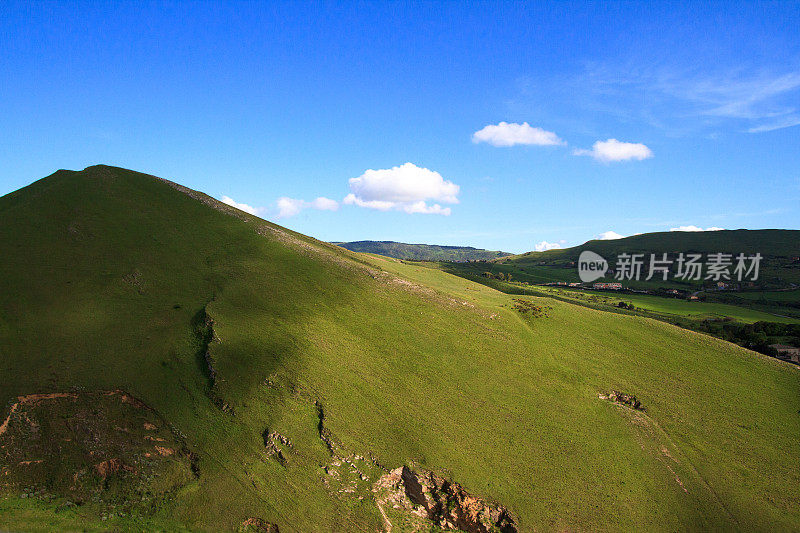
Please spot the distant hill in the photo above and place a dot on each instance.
(422, 252)
(780, 267)
(768, 242)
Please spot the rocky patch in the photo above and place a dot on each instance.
(346, 473)
(257, 525)
(409, 499)
(620, 398)
(277, 446)
(527, 307)
(419, 498)
(103, 447)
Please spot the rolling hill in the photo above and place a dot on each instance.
(421, 252)
(169, 362)
(779, 268)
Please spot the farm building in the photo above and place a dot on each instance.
(792, 352)
(614, 286)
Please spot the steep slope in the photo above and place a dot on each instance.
(294, 376)
(421, 252)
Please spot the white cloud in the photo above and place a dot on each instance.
(610, 236)
(324, 204)
(422, 207)
(509, 134)
(285, 207)
(405, 188)
(242, 207)
(695, 228)
(614, 150)
(544, 245)
(289, 207)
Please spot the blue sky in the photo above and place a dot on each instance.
(364, 117)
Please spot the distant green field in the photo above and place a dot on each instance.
(690, 309)
(115, 280)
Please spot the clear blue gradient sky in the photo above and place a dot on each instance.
(261, 101)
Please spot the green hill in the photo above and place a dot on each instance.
(769, 242)
(169, 362)
(779, 268)
(421, 252)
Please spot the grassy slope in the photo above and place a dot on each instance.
(450, 376)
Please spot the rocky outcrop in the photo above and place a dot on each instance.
(257, 525)
(623, 399)
(427, 496)
(409, 499)
(275, 443)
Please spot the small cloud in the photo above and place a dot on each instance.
(510, 134)
(257, 211)
(609, 236)
(422, 207)
(544, 245)
(695, 228)
(324, 204)
(404, 188)
(289, 207)
(614, 150)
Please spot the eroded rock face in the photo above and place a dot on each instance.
(426, 496)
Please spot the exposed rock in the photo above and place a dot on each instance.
(258, 525)
(275, 444)
(527, 306)
(111, 466)
(346, 474)
(623, 399)
(427, 496)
